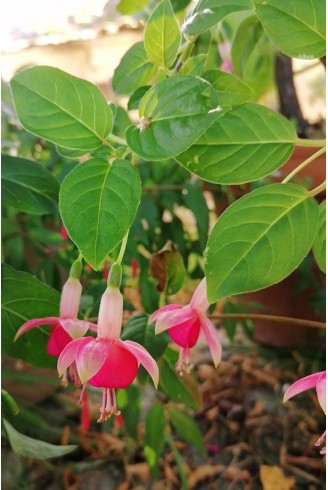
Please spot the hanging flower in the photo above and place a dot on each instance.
(65, 327)
(317, 381)
(184, 324)
(108, 362)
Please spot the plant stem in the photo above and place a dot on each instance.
(123, 247)
(304, 164)
(310, 143)
(134, 159)
(318, 189)
(185, 54)
(270, 318)
(117, 139)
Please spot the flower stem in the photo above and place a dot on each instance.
(185, 54)
(123, 247)
(304, 164)
(117, 139)
(318, 189)
(270, 318)
(310, 143)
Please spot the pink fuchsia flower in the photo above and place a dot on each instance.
(317, 381)
(65, 327)
(184, 325)
(108, 362)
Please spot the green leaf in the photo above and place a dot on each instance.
(131, 409)
(27, 186)
(187, 428)
(319, 246)
(128, 7)
(179, 460)
(174, 114)
(259, 240)
(33, 448)
(168, 268)
(207, 13)
(232, 91)
(162, 36)
(60, 108)
(172, 384)
(296, 28)
(244, 42)
(25, 297)
(136, 97)
(154, 435)
(134, 70)
(138, 330)
(246, 144)
(8, 404)
(69, 153)
(194, 65)
(98, 202)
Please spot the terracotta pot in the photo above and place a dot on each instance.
(282, 300)
(316, 170)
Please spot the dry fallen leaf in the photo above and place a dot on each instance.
(202, 472)
(272, 477)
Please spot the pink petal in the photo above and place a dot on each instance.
(199, 299)
(70, 298)
(144, 358)
(321, 390)
(174, 318)
(153, 317)
(69, 354)
(213, 340)
(74, 327)
(90, 357)
(58, 340)
(36, 322)
(301, 385)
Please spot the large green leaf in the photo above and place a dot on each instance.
(25, 297)
(33, 448)
(98, 202)
(260, 239)
(138, 330)
(162, 36)
(296, 28)
(63, 109)
(319, 246)
(244, 42)
(231, 90)
(187, 427)
(174, 114)
(27, 186)
(207, 13)
(134, 70)
(247, 143)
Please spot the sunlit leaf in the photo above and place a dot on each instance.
(296, 28)
(245, 144)
(162, 36)
(260, 239)
(60, 108)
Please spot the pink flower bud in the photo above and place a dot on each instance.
(110, 314)
(70, 298)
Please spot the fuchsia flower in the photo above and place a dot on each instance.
(108, 362)
(65, 327)
(184, 324)
(317, 381)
